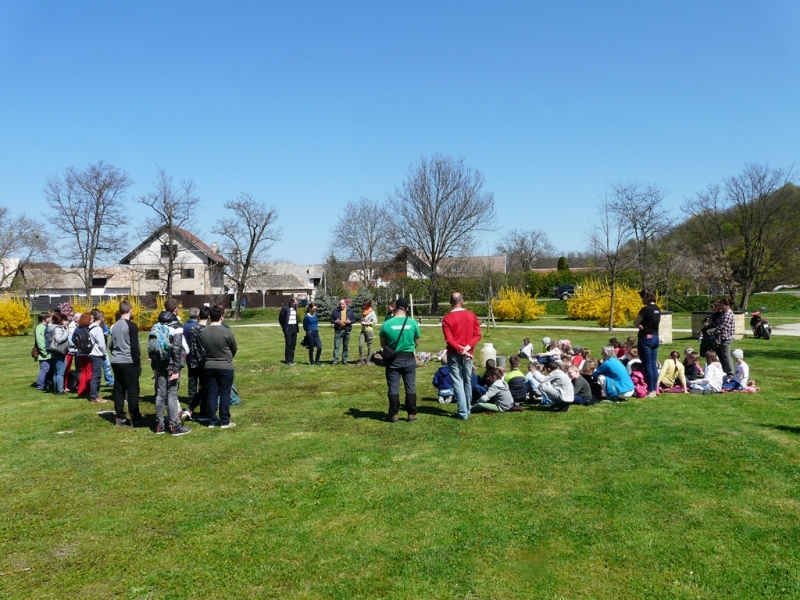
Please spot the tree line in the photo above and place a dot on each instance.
(732, 238)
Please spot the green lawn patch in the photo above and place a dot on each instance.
(314, 495)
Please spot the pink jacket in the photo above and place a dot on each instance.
(639, 384)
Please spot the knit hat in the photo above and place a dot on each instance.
(738, 353)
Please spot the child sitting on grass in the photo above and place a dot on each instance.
(691, 366)
(526, 351)
(581, 388)
(498, 397)
(443, 382)
(673, 373)
(712, 382)
(589, 366)
(555, 385)
(740, 379)
(637, 377)
(516, 380)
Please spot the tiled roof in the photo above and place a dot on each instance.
(186, 235)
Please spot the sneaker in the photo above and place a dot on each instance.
(394, 419)
(442, 400)
(318, 364)
(160, 428)
(98, 400)
(121, 422)
(180, 430)
(651, 395)
(412, 418)
(344, 362)
(212, 425)
(230, 425)
(186, 414)
(336, 362)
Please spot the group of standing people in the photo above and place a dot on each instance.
(204, 344)
(717, 334)
(342, 318)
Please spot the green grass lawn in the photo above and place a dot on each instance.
(314, 495)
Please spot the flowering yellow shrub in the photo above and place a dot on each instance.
(15, 316)
(111, 306)
(512, 304)
(593, 302)
(145, 318)
(81, 304)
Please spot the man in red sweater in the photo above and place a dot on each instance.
(462, 332)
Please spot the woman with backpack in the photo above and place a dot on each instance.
(59, 348)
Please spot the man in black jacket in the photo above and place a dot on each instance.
(126, 362)
(342, 318)
(288, 320)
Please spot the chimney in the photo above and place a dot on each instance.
(214, 246)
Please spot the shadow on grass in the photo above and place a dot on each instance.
(786, 428)
(147, 421)
(357, 413)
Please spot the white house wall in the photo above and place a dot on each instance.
(188, 257)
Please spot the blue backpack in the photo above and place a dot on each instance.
(158, 343)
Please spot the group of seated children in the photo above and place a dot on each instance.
(561, 375)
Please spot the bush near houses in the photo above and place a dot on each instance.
(512, 304)
(593, 302)
(15, 317)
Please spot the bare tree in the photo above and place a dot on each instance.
(438, 211)
(174, 207)
(641, 205)
(247, 235)
(359, 236)
(524, 248)
(22, 241)
(745, 221)
(89, 211)
(610, 240)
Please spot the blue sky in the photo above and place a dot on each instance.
(307, 105)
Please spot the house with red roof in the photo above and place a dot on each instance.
(197, 268)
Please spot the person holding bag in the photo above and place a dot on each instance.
(400, 335)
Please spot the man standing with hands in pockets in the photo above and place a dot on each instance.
(462, 332)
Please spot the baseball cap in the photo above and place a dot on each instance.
(401, 303)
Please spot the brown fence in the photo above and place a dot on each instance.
(41, 303)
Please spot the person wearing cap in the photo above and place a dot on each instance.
(401, 334)
(462, 332)
(740, 379)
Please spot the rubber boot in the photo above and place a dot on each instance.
(411, 406)
(394, 407)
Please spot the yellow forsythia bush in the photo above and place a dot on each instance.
(145, 318)
(15, 316)
(512, 304)
(111, 306)
(593, 302)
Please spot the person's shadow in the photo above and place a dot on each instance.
(357, 413)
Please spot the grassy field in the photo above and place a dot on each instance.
(314, 495)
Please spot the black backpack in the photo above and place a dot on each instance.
(82, 340)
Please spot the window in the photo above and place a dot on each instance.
(187, 292)
(187, 273)
(165, 250)
(151, 274)
(151, 293)
(99, 282)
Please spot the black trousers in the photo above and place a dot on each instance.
(290, 337)
(126, 382)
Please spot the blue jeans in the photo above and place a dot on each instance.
(219, 382)
(44, 369)
(94, 384)
(108, 373)
(58, 361)
(648, 353)
(461, 374)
